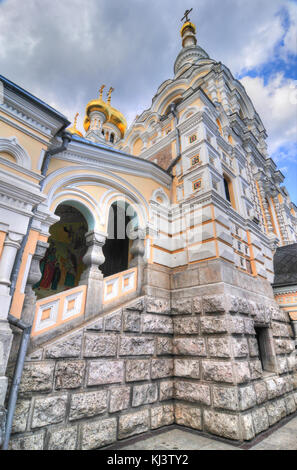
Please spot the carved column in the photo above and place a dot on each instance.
(92, 277)
(34, 276)
(137, 250)
(10, 247)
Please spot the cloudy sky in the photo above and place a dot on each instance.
(62, 51)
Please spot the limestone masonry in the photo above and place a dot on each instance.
(143, 260)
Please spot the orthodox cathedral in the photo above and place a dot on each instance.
(137, 266)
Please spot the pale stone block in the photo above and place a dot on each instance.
(189, 416)
(29, 442)
(189, 346)
(157, 324)
(181, 306)
(242, 372)
(137, 369)
(187, 368)
(213, 325)
(247, 397)
(63, 439)
(217, 371)
(133, 423)
(131, 321)
(161, 306)
(119, 399)
(20, 417)
(192, 392)
(213, 304)
(221, 424)
(87, 404)
(164, 346)
(226, 398)
(50, 410)
(69, 374)
(166, 390)
(219, 347)
(240, 347)
(99, 345)
(37, 377)
(97, 434)
(202, 251)
(105, 372)
(162, 368)
(276, 410)
(144, 394)
(162, 416)
(260, 419)
(261, 392)
(186, 325)
(70, 347)
(113, 322)
(136, 346)
(247, 426)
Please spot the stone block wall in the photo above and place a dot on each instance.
(220, 386)
(193, 361)
(108, 380)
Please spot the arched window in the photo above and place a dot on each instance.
(62, 264)
(117, 245)
(112, 138)
(229, 194)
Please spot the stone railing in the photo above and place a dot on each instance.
(119, 285)
(58, 309)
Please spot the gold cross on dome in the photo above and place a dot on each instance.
(101, 92)
(187, 12)
(109, 94)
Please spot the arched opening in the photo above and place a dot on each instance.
(112, 138)
(229, 194)
(62, 264)
(116, 250)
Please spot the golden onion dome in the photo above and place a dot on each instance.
(118, 120)
(111, 114)
(73, 129)
(187, 24)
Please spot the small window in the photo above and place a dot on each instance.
(266, 349)
(227, 193)
(112, 138)
(249, 267)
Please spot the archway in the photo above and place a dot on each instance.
(121, 220)
(62, 264)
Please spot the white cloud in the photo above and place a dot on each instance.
(276, 108)
(290, 40)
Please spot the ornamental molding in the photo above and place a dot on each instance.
(12, 146)
(113, 160)
(28, 113)
(23, 130)
(285, 290)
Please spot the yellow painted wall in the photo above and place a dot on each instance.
(32, 146)
(137, 147)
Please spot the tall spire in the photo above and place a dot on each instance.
(188, 31)
(191, 53)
